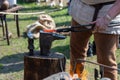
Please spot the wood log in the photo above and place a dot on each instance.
(39, 67)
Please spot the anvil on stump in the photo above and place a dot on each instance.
(41, 64)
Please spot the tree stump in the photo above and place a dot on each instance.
(39, 67)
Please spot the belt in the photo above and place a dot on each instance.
(97, 9)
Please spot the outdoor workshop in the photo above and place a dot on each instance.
(59, 40)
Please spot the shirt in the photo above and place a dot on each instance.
(83, 14)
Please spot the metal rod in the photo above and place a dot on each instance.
(81, 60)
(85, 27)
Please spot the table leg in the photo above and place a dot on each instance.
(17, 25)
(3, 30)
(6, 28)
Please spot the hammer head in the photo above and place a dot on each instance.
(46, 39)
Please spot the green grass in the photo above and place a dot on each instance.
(12, 57)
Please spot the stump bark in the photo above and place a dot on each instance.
(39, 67)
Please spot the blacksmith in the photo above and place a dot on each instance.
(105, 14)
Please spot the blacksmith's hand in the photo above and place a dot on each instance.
(101, 24)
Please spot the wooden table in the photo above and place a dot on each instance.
(15, 9)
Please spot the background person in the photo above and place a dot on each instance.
(53, 3)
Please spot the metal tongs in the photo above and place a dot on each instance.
(71, 28)
(85, 27)
(80, 28)
(76, 28)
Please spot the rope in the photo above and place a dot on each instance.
(32, 13)
(22, 13)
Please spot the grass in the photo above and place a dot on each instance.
(12, 57)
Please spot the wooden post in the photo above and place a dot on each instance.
(39, 67)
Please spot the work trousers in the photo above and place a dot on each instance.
(106, 45)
